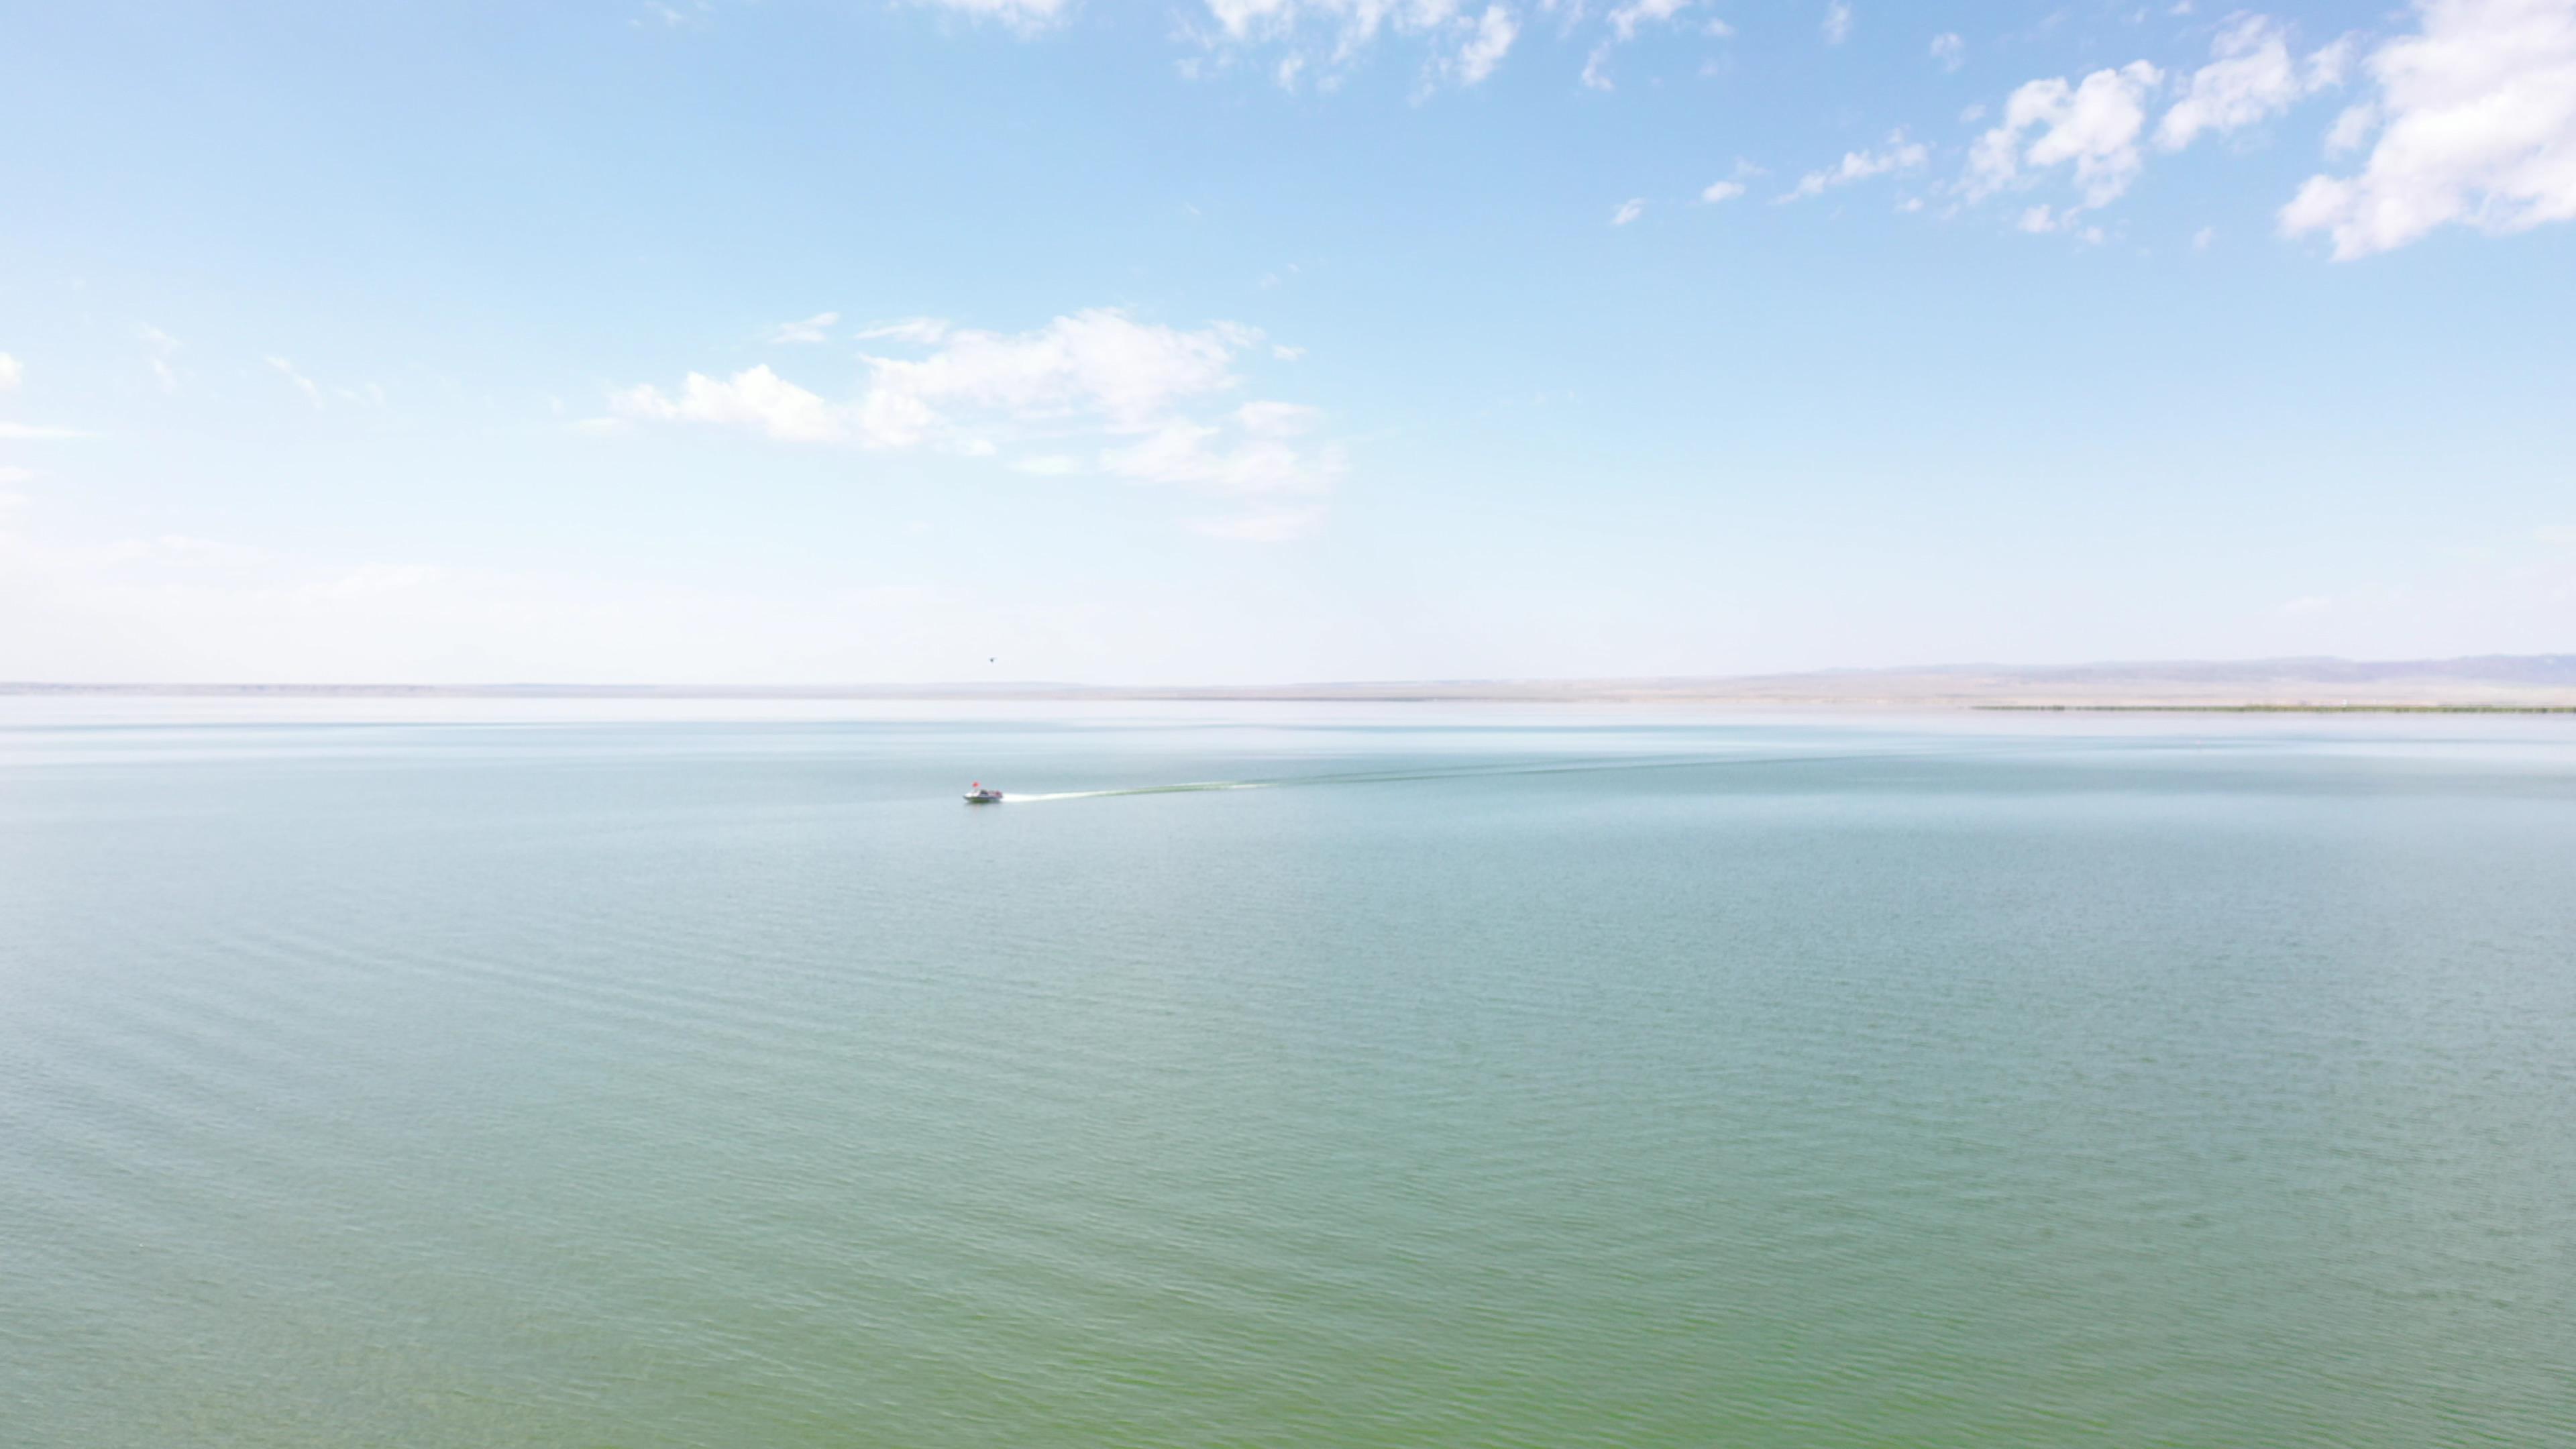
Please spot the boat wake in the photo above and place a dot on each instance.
(1522, 767)
(1193, 786)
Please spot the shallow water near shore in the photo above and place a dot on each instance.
(1445, 1077)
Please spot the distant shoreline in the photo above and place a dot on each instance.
(2493, 684)
(2282, 708)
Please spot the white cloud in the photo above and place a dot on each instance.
(2095, 125)
(2201, 239)
(926, 331)
(2351, 128)
(1484, 47)
(1278, 419)
(12, 372)
(1722, 191)
(1327, 35)
(1838, 22)
(1100, 364)
(2476, 125)
(2251, 78)
(1317, 41)
(1950, 50)
(2043, 219)
(1899, 155)
(1283, 525)
(1223, 459)
(36, 433)
(1026, 16)
(755, 398)
(163, 350)
(370, 393)
(312, 390)
(1150, 393)
(816, 328)
(2331, 66)
(1359, 23)
(1629, 210)
(1624, 22)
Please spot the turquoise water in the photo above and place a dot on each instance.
(1472, 1079)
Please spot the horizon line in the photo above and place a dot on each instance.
(2515, 671)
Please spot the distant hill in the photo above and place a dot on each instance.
(2494, 681)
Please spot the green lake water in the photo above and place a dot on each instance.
(1475, 1078)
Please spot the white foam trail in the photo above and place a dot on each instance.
(1468, 772)
(1011, 799)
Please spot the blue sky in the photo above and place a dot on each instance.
(1243, 340)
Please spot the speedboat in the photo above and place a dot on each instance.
(982, 794)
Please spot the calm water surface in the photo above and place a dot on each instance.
(1478, 1080)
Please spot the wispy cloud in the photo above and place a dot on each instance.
(367, 394)
(1276, 525)
(816, 328)
(1482, 49)
(1838, 22)
(1316, 41)
(1028, 17)
(160, 353)
(1624, 22)
(2352, 128)
(1629, 210)
(925, 331)
(1950, 50)
(312, 390)
(1899, 154)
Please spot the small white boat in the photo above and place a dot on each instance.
(982, 794)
